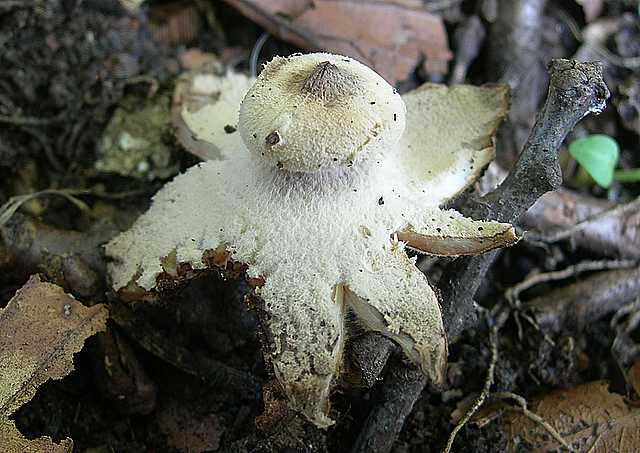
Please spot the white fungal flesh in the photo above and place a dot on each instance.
(209, 107)
(448, 141)
(323, 242)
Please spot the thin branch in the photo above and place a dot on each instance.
(401, 388)
(575, 306)
(616, 211)
(513, 293)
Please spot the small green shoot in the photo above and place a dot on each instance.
(598, 155)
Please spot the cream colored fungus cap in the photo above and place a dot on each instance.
(311, 112)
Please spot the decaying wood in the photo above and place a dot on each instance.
(575, 90)
(571, 308)
(593, 224)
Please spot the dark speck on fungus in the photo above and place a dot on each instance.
(273, 138)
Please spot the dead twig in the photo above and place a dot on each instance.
(29, 121)
(581, 226)
(401, 388)
(575, 306)
(597, 225)
(575, 90)
(513, 293)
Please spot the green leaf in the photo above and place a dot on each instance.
(598, 155)
(632, 175)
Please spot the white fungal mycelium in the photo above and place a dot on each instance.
(319, 200)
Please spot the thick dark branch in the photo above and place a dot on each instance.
(400, 390)
(575, 90)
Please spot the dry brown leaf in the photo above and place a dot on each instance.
(390, 37)
(589, 418)
(40, 329)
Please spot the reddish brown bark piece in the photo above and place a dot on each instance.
(390, 37)
(40, 330)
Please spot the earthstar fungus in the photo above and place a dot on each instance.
(321, 193)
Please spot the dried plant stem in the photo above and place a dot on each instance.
(10, 207)
(522, 406)
(513, 293)
(488, 382)
(613, 212)
(29, 121)
(255, 53)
